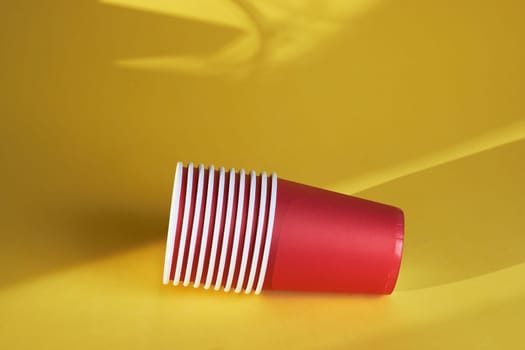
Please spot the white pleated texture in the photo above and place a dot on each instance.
(221, 227)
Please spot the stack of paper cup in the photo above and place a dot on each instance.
(246, 232)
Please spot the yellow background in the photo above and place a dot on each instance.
(415, 103)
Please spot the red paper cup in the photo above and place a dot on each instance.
(249, 232)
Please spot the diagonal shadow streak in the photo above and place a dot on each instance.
(463, 218)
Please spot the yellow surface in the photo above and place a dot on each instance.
(416, 103)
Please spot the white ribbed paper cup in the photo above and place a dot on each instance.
(220, 228)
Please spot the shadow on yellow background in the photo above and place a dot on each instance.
(418, 104)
